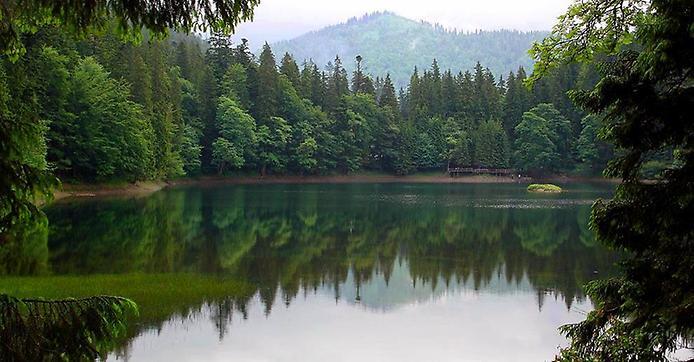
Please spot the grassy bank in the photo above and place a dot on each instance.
(158, 296)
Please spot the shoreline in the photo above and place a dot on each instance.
(79, 191)
(342, 179)
(144, 188)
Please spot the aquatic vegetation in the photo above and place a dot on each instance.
(544, 188)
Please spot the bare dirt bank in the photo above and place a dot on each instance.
(344, 179)
(143, 188)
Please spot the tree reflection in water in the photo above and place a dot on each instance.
(377, 245)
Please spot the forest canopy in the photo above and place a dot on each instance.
(186, 106)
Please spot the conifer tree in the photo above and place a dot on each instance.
(165, 117)
(266, 101)
(433, 90)
(191, 60)
(290, 69)
(306, 80)
(416, 98)
(361, 82)
(491, 145)
(388, 98)
(219, 55)
(138, 75)
(242, 55)
(235, 85)
(312, 84)
(450, 97)
(378, 88)
(337, 86)
(466, 93)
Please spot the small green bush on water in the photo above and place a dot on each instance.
(544, 188)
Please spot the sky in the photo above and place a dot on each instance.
(282, 19)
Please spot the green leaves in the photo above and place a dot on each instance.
(238, 136)
(535, 148)
(112, 138)
(273, 137)
(224, 154)
(587, 29)
(21, 17)
(73, 329)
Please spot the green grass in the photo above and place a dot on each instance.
(158, 296)
(543, 188)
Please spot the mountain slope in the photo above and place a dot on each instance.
(391, 43)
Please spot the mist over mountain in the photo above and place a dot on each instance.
(391, 43)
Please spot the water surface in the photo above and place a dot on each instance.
(370, 272)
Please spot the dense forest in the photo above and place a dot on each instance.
(167, 108)
(394, 44)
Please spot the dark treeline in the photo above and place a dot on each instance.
(183, 106)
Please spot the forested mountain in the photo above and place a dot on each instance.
(393, 44)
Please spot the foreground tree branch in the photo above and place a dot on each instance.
(645, 98)
(74, 329)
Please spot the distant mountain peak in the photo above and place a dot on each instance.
(390, 43)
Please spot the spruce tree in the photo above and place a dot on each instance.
(165, 117)
(449, 95)
(219, 55)
(306, 80)
(361, 82)
(357, 76)
(433, 90)
(290, 69)
(337, 86)
(318, 87)
(388, 98)
(266, 101)
(235, 85)
(491, 145)
(511, 109)
(466, 93)
(242, 55)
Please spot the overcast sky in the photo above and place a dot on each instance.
(281, 19)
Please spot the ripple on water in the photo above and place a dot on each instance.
(495, 203)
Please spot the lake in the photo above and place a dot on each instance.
(326, 272)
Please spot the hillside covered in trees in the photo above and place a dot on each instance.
(166, 108)
(390, 43)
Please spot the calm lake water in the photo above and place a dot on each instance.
(358, 272)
